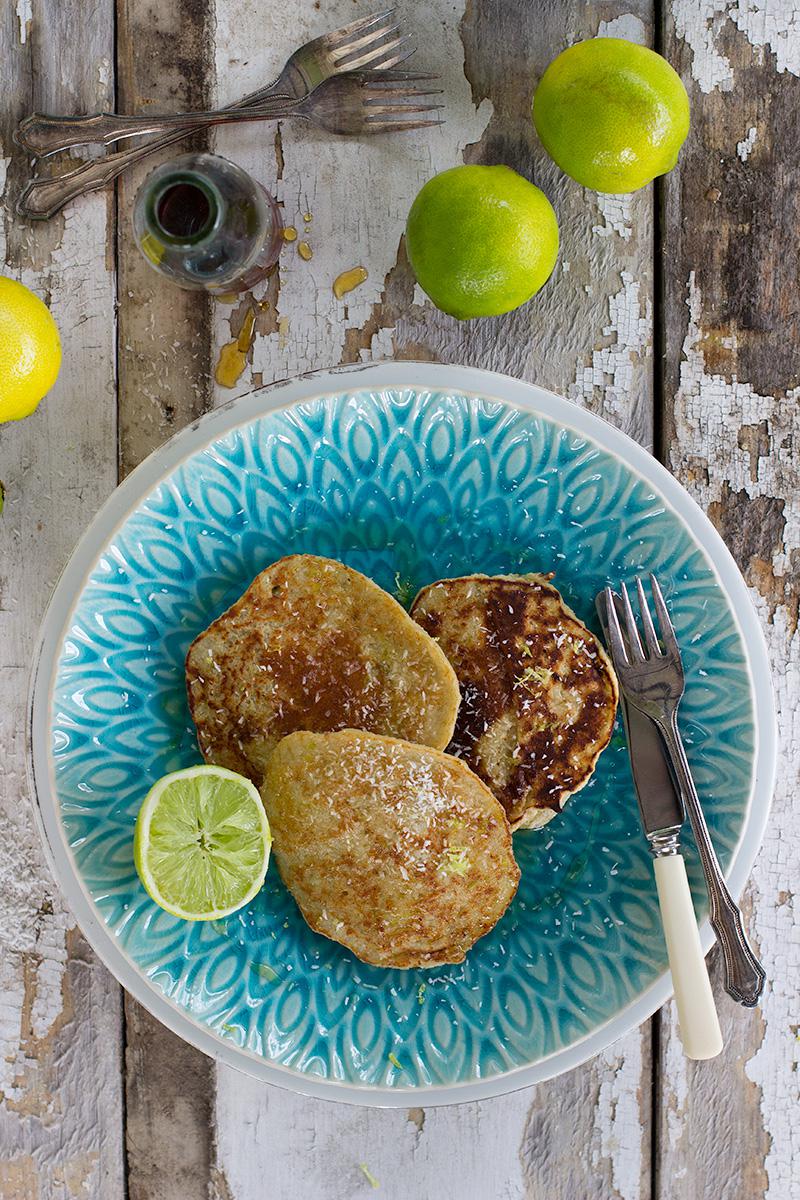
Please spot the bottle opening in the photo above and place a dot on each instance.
(184, 211)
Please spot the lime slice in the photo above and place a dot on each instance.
(202, 843)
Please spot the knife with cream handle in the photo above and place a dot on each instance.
(662, 816)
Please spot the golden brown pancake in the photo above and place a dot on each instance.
(395, 850)
(539, 694)
(314, 645)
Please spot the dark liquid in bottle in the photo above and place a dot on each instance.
(204, 223)
(184, 211)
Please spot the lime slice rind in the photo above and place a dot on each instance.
(202, 843)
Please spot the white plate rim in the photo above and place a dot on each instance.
(420, 376)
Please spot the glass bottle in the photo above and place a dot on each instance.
(205, 223)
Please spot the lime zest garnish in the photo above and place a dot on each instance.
(531, 675)
(456, 860)
(370, 1178)
(394, 1060)
(421, 993)
(228, 1028)
(265, 971)
(403, 590)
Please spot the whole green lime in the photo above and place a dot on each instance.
(612, 114)
(481, 240)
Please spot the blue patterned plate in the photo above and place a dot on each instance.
(408, 472)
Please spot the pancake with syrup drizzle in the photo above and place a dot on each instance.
(397, 851)
(539, 694)
(314, 645)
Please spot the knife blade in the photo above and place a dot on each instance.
(660, 805)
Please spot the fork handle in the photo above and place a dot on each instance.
(42, 134)
(697, 1013)
(744, 975)
(44, 197)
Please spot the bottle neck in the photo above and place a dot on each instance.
(204, 223)
(184, 209)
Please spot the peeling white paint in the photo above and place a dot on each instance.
(676, 1071)
(359, 191)
(419, 295)
(24, 16)
(626, 25)
(770, 24)
(49, 493)
(744, 147)
(104, 74)
(629, 333)
(618, 1121)
(261, 1131)
(616, 213)
(710, 411)
(774, 24)
(698, 22)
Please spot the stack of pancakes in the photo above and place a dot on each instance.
(396, 753)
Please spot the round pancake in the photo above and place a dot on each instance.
(314, 645)
(539, 694)
(397, 851)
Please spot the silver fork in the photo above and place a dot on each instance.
(355, 103)
(375, 43)
(372, 43)
(364, 102)
(653, 682)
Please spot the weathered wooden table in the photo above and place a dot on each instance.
(673, 313)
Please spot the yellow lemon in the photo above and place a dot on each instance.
(481, 240)
(30, 350)
(612, 114)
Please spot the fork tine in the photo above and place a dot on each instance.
(636, 651)
(384, 79)
(664, 623)
(368, 38)
(398, 110)
(338, 36)
(370, 54)
(650, 637)
(376, 58)
(404, 51)
(397, 126)
(396, 95)
(615, 642)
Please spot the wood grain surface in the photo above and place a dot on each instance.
(61, 1117)
(673, 313)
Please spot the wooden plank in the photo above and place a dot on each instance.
(168, 1114)
(164, 60)
(60, 1014)
(588, 336)
(513, 1147)
(729, 1128)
